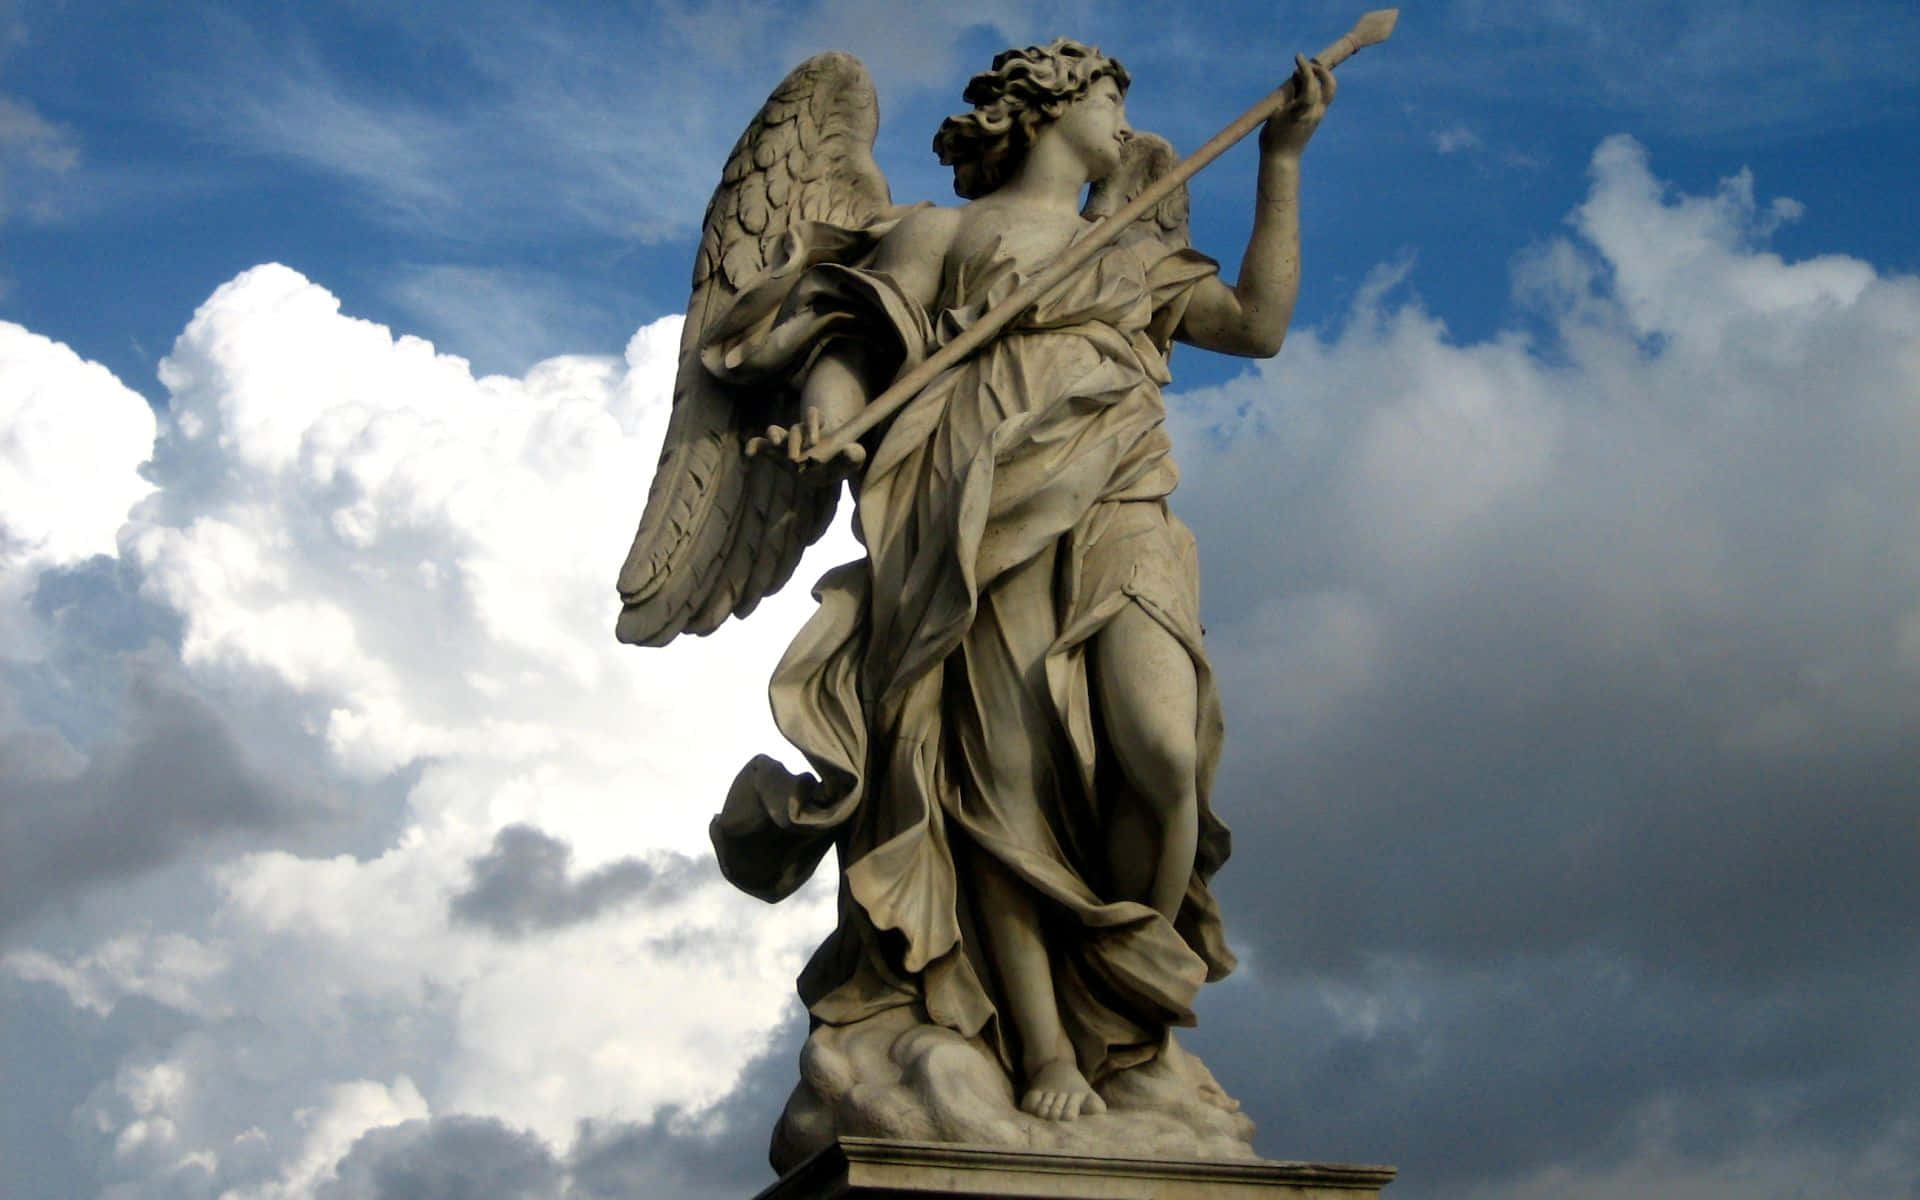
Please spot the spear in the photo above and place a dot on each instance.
(1370, 30)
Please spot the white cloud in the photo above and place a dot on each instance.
(33, 151)
(170, 969)
(423, 555)
(1596, 640)
(72, 440)
(1689, 269)
(1715, 438)
(350, 1109)
(423, 563)
(554, 127)
(1454, 139)
(1696, 498)
(25, 132)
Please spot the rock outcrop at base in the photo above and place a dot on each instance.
(895, 1075)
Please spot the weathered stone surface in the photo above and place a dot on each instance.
(896, 1077)
(869, 1169)
(1006, 704)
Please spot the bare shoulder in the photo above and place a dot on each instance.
(914, 252)
(927, 230)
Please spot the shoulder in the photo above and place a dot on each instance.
(925, 228)
(914, 251)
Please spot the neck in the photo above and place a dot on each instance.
(1049, 178)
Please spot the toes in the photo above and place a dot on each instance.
(1065, 1104)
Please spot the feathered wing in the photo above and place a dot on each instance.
(722, 530)
(1144, 158)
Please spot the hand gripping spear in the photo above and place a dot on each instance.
(1370, 30)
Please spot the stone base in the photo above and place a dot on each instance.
(873, 1169)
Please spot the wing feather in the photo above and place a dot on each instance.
(721, 531)
(1145, 158)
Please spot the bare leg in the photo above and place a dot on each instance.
(1149, 699)
(1055, 1088)
(1007, 645)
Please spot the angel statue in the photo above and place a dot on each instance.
(1006, 702)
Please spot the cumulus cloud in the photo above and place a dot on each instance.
(717, 1154)
(110, 762)
(170, 777)
(1571, 697)
(451, 1158)
(1570, 675)
(72, 440)
(412, 569)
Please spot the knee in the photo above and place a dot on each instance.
(1166, 774)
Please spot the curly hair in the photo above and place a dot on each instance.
(1012, 101)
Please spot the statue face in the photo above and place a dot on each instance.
(1094, 126)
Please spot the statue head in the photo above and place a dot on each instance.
(1012, 101)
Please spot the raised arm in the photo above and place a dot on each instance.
(1250, 318)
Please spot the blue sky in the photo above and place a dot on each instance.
(556, 161)
(1559, 571)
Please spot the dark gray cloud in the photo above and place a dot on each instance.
(717, 1154)
(1468, 1076)
(1571, 693)
(1571, 685)
(522, 884)
(171, 778)
(117, 760)
(446, 1158)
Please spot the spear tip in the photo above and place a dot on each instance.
(1375, 27)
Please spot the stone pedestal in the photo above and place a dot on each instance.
(873, 1169)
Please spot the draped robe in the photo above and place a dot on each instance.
(1042, 462)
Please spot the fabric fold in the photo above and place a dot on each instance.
(1037, 467)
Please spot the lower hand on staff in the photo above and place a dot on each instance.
(797, 443)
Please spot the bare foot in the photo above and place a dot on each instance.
(1057, 1091)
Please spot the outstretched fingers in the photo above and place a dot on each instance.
(797, 445)
(773, 442)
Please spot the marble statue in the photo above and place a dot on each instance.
(1006, 703)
